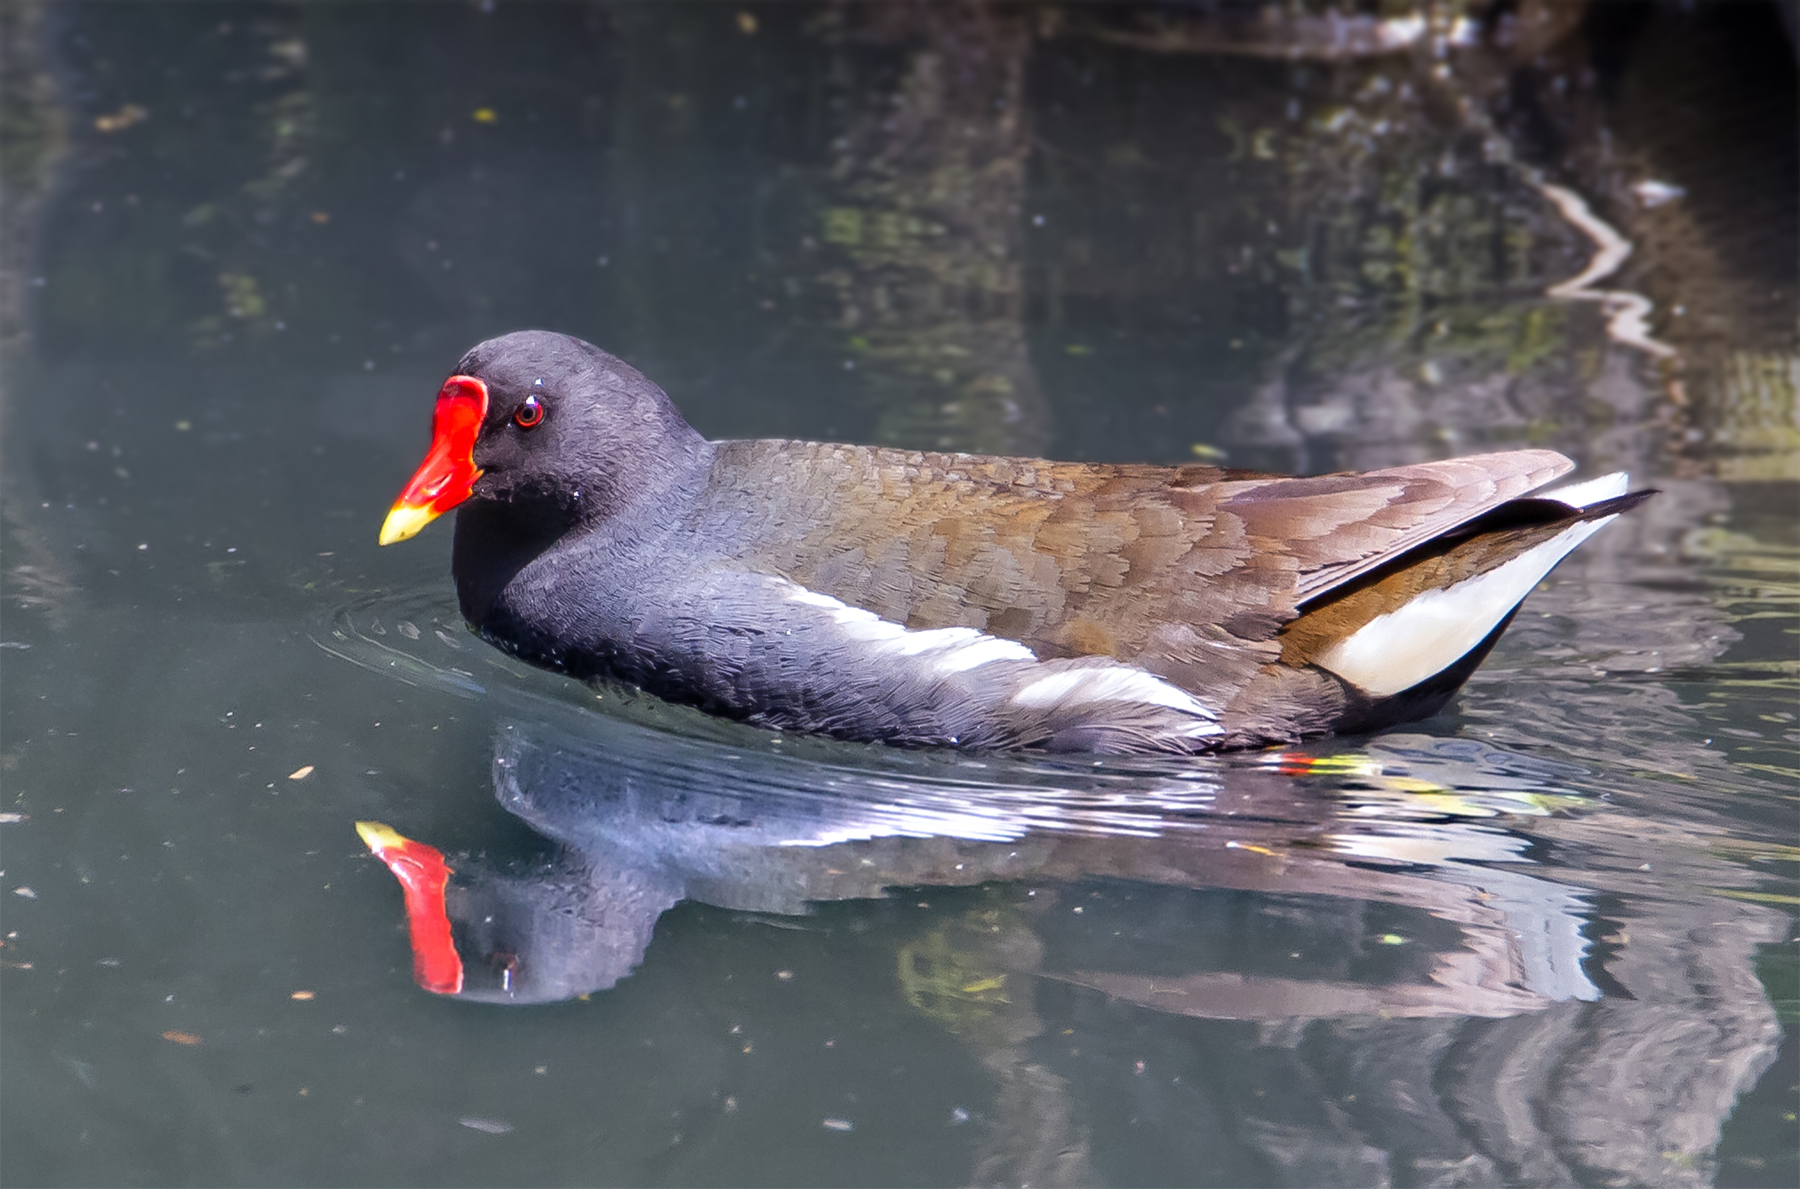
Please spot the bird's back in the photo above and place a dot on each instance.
(1078, 559)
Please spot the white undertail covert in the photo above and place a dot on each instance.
(1413, 643)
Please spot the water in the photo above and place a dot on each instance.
(1545, 937)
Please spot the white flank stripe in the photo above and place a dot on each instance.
(910, 643)
(944, 651)
(1590, 492)
(1110, 683)
(953, 650)
(1397, 651)
(982, 650)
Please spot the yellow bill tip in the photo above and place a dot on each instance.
(378, 836)
(403, 522)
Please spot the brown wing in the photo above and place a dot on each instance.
(1424, 501)
(1188, 571)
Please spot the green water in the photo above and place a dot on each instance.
(1546, 937)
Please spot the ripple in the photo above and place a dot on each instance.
(563, 748)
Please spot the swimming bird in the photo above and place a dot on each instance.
(919, 598)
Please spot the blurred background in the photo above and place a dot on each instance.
(241, 245)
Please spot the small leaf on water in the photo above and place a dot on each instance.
(181, 1038)
(124, 118)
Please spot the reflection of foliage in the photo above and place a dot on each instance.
(1778, 966)
(927, 185)
(244, 305)
(954, 975)
(33, 133)
(1753, 578)
(972, 973)
(1345, 234)
(1171, 239)
(33, 139)
(1753, 413)
(288, 126)
(1406, 212)
(183, 196)
(30, 131)
(242, 298)
(289, 123)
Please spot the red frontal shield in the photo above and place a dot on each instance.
(448, 473)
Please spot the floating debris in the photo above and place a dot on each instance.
(301, 996)
(837, 1125)
(301, 773)
(485, 1126)
(122, 119)
(1653, 193)
(182, 1038)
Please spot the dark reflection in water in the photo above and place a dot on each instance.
(1401, 921)
(776, 835)
(1544, 938)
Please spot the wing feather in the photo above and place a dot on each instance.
(1088, 559)
(1339, 527)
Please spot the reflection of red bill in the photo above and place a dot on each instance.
(423, 875)
(1298, 763)
(1290, 763)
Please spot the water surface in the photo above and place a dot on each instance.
(1545, 937)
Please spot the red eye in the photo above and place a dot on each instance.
(529, 413)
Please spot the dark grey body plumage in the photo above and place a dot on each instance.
(918, 598)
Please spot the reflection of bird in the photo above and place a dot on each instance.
(635, 833)
(956, 599)
(538, 934)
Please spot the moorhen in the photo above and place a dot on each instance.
(955, 599)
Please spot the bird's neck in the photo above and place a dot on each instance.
(496, 539)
